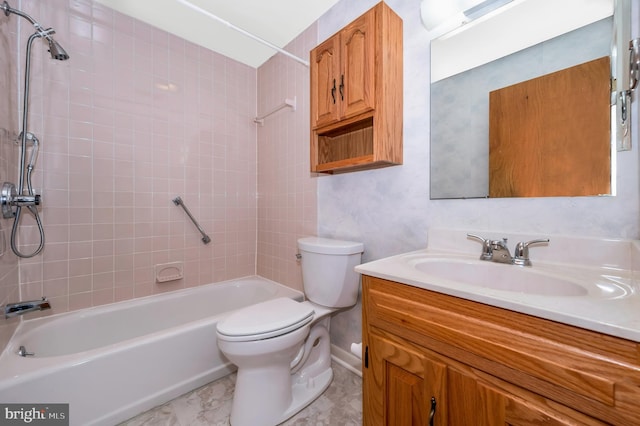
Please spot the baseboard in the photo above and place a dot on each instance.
(347, 360)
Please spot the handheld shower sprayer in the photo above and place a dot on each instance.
(35, 142)
(11, 197)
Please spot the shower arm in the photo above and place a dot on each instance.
(40, 31)
(9, 10)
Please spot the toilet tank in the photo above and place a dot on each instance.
(327, 270)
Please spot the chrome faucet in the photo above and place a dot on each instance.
(20, 308)
(521, 255)
(500, 251)
(497, 250)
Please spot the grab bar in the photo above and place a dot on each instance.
(178, 202)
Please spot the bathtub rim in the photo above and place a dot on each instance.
(15, 369)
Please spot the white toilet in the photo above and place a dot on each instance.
(281, 346)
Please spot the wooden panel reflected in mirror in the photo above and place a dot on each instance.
(550, 136)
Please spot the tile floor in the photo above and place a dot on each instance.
(210, 405)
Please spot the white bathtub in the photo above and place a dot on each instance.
(115, 361)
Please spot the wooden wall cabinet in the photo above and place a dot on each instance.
(356, 95)
(486, 366)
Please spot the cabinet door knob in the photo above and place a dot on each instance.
(432, 414)
(333, 91)
(342, 87)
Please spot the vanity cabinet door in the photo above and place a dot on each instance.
(402, 386)
(511, 410)
(406, 385)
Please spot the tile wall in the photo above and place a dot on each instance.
(133, 119)
(287, 207)
(8, 155)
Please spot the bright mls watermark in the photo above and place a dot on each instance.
(34, 414)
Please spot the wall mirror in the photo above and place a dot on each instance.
(472, 62)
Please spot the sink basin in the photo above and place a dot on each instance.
(499, 277)
(513, 278)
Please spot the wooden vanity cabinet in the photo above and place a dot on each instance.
(356, 95)
(487, 366)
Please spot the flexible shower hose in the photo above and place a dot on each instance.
(16, 222)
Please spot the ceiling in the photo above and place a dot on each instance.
(276, 21)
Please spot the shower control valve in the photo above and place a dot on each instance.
(9, 198)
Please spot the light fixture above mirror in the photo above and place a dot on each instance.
(440, 17)
(515, 26)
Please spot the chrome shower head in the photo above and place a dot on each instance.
(57, 52)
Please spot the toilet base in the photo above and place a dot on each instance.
(307, 392)
(303, 393)
(278, 377)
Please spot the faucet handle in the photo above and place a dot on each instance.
(487, 251)
(521, 254)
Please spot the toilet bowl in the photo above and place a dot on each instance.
(282, 347)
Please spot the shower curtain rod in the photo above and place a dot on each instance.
(240, 30)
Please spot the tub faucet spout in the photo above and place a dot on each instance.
(20, 308)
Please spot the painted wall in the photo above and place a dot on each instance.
(8, 158)
(389, 210)
(133, 119)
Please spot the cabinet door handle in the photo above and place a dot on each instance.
(333, 91)
(342, 87)
(432, 414)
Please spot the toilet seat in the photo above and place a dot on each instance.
(265, 320)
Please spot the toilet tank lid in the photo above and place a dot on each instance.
(329, 246)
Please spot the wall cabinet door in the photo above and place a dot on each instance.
(357, 79)
(343, 73)
(325, 71)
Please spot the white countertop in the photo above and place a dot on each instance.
(616, 315)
